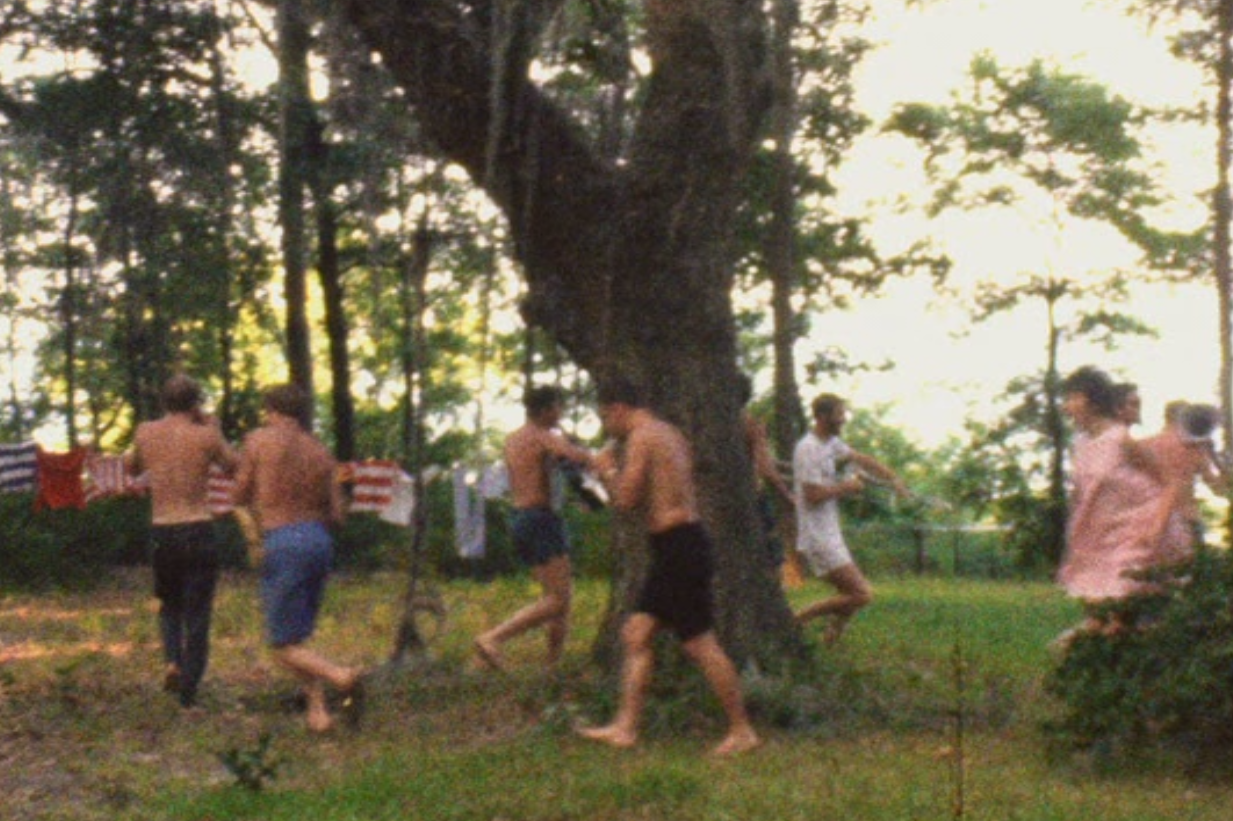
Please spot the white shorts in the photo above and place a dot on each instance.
(826, 557)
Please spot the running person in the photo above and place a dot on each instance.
(288, 477)
(820, 468)
(532, 453)
(656, 478)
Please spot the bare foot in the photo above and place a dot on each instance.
(320, 722)
(610, 735)
(737, 742)
(489, 654)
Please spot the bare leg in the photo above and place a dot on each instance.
(706, 652)
(556, 580)
(637, 634)
(853, 593)
(315, 672)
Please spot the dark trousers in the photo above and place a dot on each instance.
(185, 573)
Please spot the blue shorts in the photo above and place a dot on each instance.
(539, 535)
(297, 561)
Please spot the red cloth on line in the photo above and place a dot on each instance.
(373, 481)
(60, 484)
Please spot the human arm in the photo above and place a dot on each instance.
(626, 481)
(763, 461)
(879, 472)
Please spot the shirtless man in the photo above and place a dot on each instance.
(819, 468)
(176, 452)
(288, 477)
(656, 478)
(531, 455)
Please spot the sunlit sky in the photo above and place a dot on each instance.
(940, 377)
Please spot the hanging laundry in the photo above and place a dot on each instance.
(106, 476)
(401, 508)
(220, 488)
(60, 480)
(19, 468)
(372, 488)
(469, 530)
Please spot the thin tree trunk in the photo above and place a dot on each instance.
(1222, 214)
(294, 121)
(69, 318)
(409, 639)
(787, 424)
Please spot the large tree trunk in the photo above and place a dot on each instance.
(627, 265)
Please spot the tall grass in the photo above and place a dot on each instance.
(867, 734)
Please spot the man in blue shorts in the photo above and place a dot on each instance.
(288, 477)
(531, 454)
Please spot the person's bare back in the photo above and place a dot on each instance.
(288, 476)
(176, 453)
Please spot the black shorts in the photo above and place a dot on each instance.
(677, 590)
(539, 535)
(180, 551)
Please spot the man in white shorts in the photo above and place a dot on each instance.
(825, 469)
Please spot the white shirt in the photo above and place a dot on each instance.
(817, 462)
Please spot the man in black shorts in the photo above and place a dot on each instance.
(657, 477)
(175, 453)
(531, 454)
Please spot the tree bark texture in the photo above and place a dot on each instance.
(628, 264)
(295, 118)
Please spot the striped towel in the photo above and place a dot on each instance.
(106, 477)
(219, 489)
(19, 468)
(373, 482)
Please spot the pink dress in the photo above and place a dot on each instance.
(1113, 508)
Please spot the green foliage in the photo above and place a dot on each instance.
(1166, 678)
(253, 767)
(49, 549)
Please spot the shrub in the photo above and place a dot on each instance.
(1166, 677)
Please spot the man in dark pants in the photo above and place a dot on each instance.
(175, 452)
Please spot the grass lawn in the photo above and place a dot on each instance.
(85, 732)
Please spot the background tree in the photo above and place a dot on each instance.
(1057, 147)
(1201, 32)
(628, 265)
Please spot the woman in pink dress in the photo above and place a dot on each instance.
(1121, 504)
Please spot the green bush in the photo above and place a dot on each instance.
(1167, 676)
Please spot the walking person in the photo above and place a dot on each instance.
(655, 478)
(826, 469)
(175, 453)
(288, 479)
(532, 455)
(1121, 504)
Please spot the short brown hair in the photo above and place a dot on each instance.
(827, 404)
(181, 394)
(288, 400)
